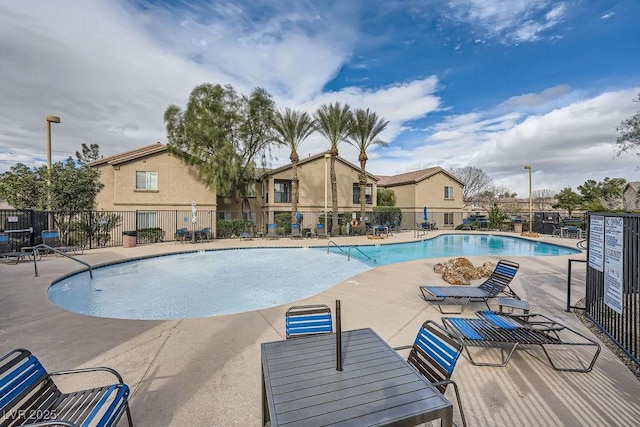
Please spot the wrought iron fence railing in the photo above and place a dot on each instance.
(612, 298)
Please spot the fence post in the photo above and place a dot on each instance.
(32, 224)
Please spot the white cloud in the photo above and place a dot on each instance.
(510, 21)
(109, 70)
(608, 15)
(399, 104)
(101, 67)
(566, 145)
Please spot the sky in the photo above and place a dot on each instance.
(493, 84)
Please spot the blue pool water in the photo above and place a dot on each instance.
(450, 245)
(200, 284)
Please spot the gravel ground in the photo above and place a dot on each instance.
(630, 363)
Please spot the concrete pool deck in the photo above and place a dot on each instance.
(206, 371)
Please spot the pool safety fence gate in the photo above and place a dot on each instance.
(96, 229)
(612, 284)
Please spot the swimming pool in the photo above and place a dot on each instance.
(218, 282)
(450, 245)
(200, 284)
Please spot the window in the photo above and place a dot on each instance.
(251, 189)
(281, 192)
(356, 194)
(448, 218)
(146, 180)
(224, 215)
(146, 219)
(448, 192)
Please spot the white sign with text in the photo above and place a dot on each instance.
(596, 242)
(613, 267)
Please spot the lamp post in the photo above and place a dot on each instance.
(50, 119)
(530, 200)
(326, 192)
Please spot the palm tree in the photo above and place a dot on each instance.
(365, 128)
(292, 127)
(333, 121)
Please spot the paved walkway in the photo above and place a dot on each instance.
(206, 371)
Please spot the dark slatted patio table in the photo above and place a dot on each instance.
(377, 387)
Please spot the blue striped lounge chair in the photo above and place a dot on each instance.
(497, 283)
(509, 332)
(52, 238)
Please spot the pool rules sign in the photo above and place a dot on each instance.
(613, 267)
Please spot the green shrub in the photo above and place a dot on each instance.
(386, 214)
(283, 223)
(150, 235)
(233, 227)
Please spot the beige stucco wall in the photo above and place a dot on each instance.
(177, 186)
(313, 176)
(430, 193)
(630, 199)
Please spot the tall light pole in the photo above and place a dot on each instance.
(530, 200)
(326, 193)
(50, 119)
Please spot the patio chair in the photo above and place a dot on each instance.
(305, 320)
(321, 231)
(204, 234)
(498, 282)
(272, 231)
(181, 235)
(7, 253)
(422, 228)
(295, 231)
(556, 231)
(434, 354)
(52, 238)
(246, 235)
(494, 329)
(572, 232)
(29, 396)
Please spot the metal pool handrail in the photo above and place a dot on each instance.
(348, 252)
(336, 245)
(42, 245)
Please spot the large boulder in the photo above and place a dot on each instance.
(469, 273)
(438, 268)
(487, 268)
(455, 278)
(461, 262)
(460, 271)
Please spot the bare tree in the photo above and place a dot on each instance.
(496, 195)
(629, 138)
(543, 198)
(476, 183)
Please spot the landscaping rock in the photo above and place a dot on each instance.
(470, 273)
(460, 271)
(455, 278)
(461, 262)
(487, 268)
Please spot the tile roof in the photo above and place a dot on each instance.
(130, 155)
(634, 185)
(411, 177)
(308, 159)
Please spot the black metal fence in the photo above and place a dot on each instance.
(96, 229)
(612, 285)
